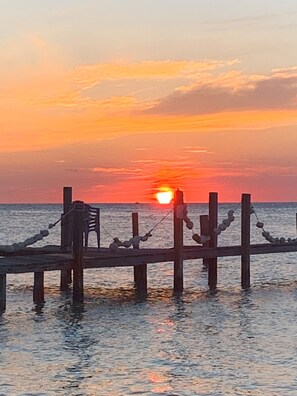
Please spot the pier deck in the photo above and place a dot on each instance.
(72, 257)
(51, 258)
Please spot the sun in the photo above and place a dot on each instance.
(164, 196)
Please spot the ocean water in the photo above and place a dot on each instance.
(230, 342)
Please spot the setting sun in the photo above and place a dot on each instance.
(164, 197)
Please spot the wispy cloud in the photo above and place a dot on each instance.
(89, 75)
(121, 171)
(196, 149)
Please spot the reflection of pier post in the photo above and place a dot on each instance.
(2, 292)
(140, 271)
(178, 242)
(78, 251)
(213, 223)
(66, 235)
(38, 288)
(245, 240)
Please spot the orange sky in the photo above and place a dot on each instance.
(119, 122)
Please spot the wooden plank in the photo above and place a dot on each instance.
(178, 283)
(245, 240)
(38, 288)
(140, 271)
(213, 223)
(66, 236)
(129, 257)
(2, 293)
(78, 252)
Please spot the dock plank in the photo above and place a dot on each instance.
(49, 261)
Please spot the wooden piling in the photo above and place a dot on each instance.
(245, 240)
(140, 271)
(204, 230)
(178, 283)
(97, 229)
(38, 288)
(66, 235)
(213, 223)
(78, 258)
(2, 293)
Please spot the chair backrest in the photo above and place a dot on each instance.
(92, 223)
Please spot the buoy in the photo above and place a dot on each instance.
(127, 244)
(117, 241)
(266, 234)
(113, 247)
(189, 224)
(204, 238)
(196, 238)
(226, 222)
(230, 213)
(135, 241)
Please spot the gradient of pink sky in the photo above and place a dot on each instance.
(119, 99)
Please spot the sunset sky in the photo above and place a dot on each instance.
(119, 98)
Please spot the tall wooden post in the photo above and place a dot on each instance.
(78, 258)
(66, 235)
(2, 293)
(140, 271)
(178, 241)
(245, 240)
(213, 223)
(97, 229)
(204, 230)
(38, 288)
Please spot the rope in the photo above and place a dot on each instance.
(14, 247)
(163, 218)
(108, 233)
(52, 225)
(269, 238)
(136, 239)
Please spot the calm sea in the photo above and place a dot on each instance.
(231, 342)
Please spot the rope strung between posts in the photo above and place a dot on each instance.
(61, 218)
(202, 239)
(182, 213)
(269, 238)
(14, 247)
(135, 241)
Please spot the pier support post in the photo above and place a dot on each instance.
(178, 284)
(66, 235)
(245, 240)
(140, 271)
(204, 230)
(38, 288)
(2, 293)
(213, 223)
(78, 255)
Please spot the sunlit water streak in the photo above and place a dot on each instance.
(227, 343)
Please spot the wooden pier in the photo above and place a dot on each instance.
(71, 258)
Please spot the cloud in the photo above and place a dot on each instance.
(196, 150)
(272, 93)
(90, 75)
(122, 171)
